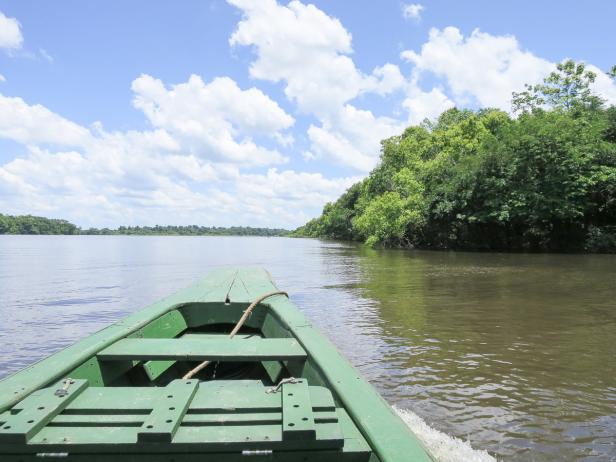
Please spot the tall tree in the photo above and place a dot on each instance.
(565, 88)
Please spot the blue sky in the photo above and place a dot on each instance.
(250, 112)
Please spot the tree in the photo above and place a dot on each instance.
(385, 220)
(565, 88)
(544, 181)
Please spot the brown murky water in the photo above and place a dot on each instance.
(515, 354)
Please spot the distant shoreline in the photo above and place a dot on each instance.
(34, 225)
(159, 235)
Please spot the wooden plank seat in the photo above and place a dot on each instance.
(201, 417)
(195, 349)
(154, 369)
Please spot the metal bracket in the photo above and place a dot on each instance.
(62, 392)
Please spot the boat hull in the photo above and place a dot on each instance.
(127, 399)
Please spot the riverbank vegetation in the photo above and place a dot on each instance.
(541, 180)
(28, 224)
(192, 230)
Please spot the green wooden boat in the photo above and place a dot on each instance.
(169, 383)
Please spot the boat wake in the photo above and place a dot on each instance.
(444, 448)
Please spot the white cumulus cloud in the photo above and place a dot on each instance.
(294, 197)
(33, 124)
(481, 68)
(10, 33)
(425, 104)
(308, 51)
(604, 85)
(303, 46)
(353, 137)
(412, 10)
(215, 120)
(158, 176)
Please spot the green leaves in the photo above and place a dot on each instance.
(386, 218)
(482, 180)
(566, 88)
(28, 224)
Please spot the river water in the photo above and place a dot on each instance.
(512, 355)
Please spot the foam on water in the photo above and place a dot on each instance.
(444, 448)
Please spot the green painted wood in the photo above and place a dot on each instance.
(237, 292)
(98, 420)
(208, 313)
(168, 325)
(274, 370)
(236, 418)
(201, 304)
(198, 456)
(226, 438)
(216, 396)
(297, 418)
(114, 400)
(321, 399)
(90, 371)
(328, 435)
(192, 349)
(243, 413)
(162, 424)
(354, 442)
(137, 420)
(52, 368)
(154, 369)
(37, 410)
(219, 335)
(248, 417)
(232, 402)
(387, 434)
(221, 396)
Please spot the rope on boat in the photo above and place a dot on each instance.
(237, 327)
(280, 384)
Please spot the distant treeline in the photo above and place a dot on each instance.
(483, 180)
(191, 230)
(28, 224)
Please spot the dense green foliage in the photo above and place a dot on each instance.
(482, 180)
(28, 224)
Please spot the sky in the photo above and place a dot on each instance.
(251, 112)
